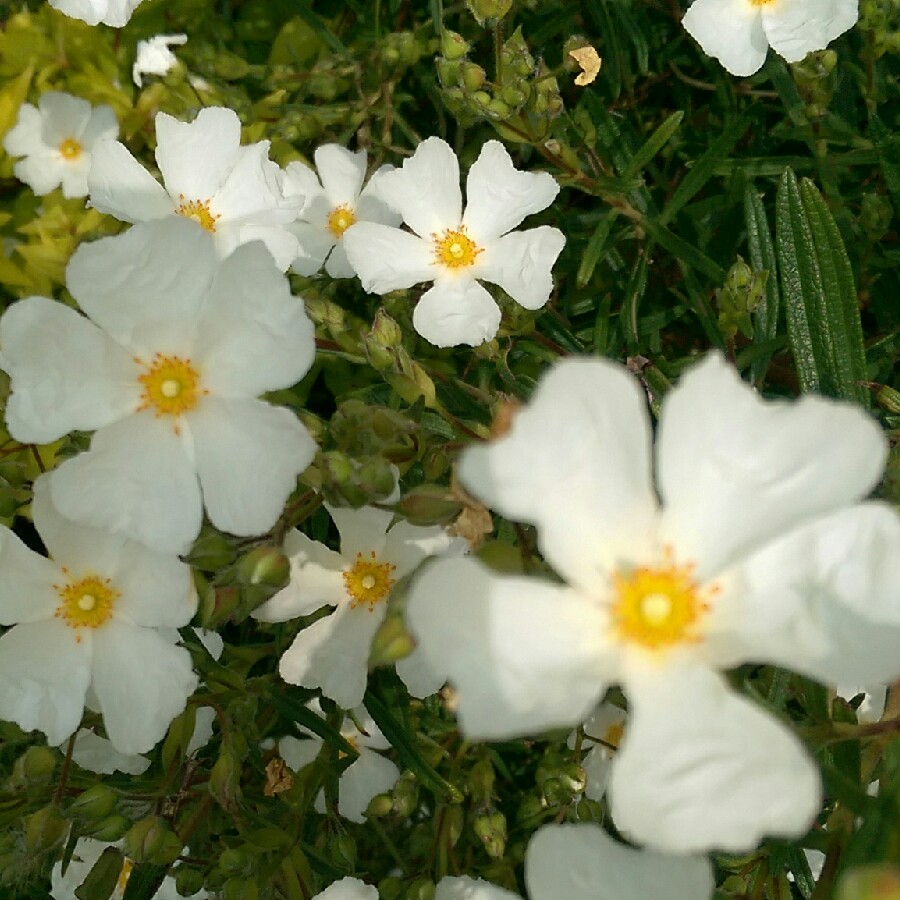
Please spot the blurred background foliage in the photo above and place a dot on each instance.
(758, 216)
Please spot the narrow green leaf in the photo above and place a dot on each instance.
(304, 10)
(103, 876)
(595, 247)
(297, 711)
(683, 250)
(653, 145)
(634, 293)
(887, 145)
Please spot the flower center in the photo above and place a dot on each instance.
(70, 149)
(340, 219)
(455, 249)
(171, 386)
(86, 603)
(761, 2)
(659, 607)
(369, 581)
(199, 211)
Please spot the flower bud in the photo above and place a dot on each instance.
(211, 551)
(240, 889)
(488, 10)
(218, 605)
(235, 861)
(453, 45)
(449, 72)
(392, 642)
(109, 830)
(390, 888)
(343, 852)
(473, 76)
(151, 840)
(406, 795)
(429, 504)
(188, 881)
(491, 830)
(380, 806)
(94, 804)
(264, 565)
(421, 889)
(43, 829)
(880, 881)
(225, 781)
(35, 766)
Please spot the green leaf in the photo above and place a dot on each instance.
(101, 880)
(595, 247)
(762, 258)
(144, 881)
(653, 145)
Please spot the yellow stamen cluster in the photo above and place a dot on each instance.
(368, 581)
(659, 607)
(340, 219)
(199, 211)
(70, 149)
(455, 249)
(171, 386)
(87, 602)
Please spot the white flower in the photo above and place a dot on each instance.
(367, 776)
(154, 56)
(230, 190)
(57, 138)
(335, 200)
(739, 32)
(87, 852)
(348, 889)
(751, 546)
(874, 701)
(333, 652)
(97, 754)
(167, 369)
(109, 12)
(91, 618)
(603, 731)
(581, 862)
(452, 248)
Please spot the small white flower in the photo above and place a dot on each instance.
(739, 32)
(109, 12)
(230, 190)
(57, 138)
(168, 367)
(154, 56)
(453, 248)
(749, 545)
(92, 617)
(333, 652)
(335, 200)
(367, 776)
(582, 862)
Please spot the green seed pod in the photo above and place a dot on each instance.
(44, 829)
(488, 10)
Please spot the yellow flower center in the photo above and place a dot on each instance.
(199, 211)
(171, 386)
(86, 603)
(70, 149)
(659, 607)
(761, 2)
(368, 581)
(340, 219)
(612, 737)
(455, 249)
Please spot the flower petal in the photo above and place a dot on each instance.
(333, 654)
(576, 464)
(64, 116)
(315, 244)
(281, 243)
(196, 157)
(701, 767)
(142, 681)
(97, 754)
(361, 530)
(120, 186)
(582, 862)
(417, 674)
(26, 589)
(465, 888)
(255, 335)
(386, 258)
(44, 675)
(348, 889)
(66, 373)
(41, 171)
(524, 655)
(408, 545)
(521, 262)
(499, 196)
(231, 437)
(103, 126)
(425, 190)
(24, 138)
(734, 470)
(297, 753)
(251, 192)
(341, 172)
(730, 31)
(137, 479)
(457, 311)
(371, 774)
(797, 27)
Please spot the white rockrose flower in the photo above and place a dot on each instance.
(738, 33)
(367, 776)
(582, 862)
(230, 190)
(154, 56)
(335, 199)
(94, 12)
(348, 888)
(87, 852)
(166, 368)
(453, 248)
(333, 652)
(57, 138)
(750, 545)
(92, 617)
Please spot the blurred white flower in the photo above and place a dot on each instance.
(154, 56)
(603, 731)
(453, 248)
(167, 369)
(871, 709)
(348, 889)
(367, 776)
(109, 12)
(97, 754)
(738, 33)
(57, 138)
(751, 546)
(335, 199)
(333, 652)
(582, 862)
(230, 190)
(92, 617)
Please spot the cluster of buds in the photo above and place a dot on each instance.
(738, 298)
(882, 19)
(816, 79)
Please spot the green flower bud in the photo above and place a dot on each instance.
(497, 109)
(421, 889)
(453, 45)
(188, 881)
(211, 551)
(35, 766)
(405, 795)
(343, 852)
(491, 830)
(473, 76)
(391, 643)
(44, 829)
(488, 10)
(380, 806)
(390, 888)
(151, 840)
(889, 399)
(235, 861)
(225, 781)
(240, 889)
(429, 504)
(452, 821)
(218, 605)
(109, 830)
(449, 72)
(94, 804)
(264, 565)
